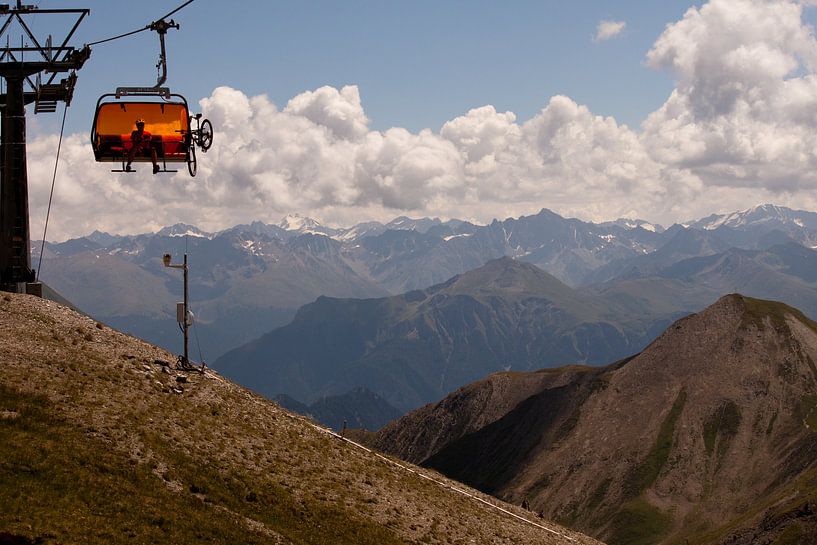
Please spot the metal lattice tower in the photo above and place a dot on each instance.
(29, 71)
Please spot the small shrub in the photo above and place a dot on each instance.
(645, 474)
(639, 523)
(722, 424)
(808, 411)
(792, 535)
(195, 489)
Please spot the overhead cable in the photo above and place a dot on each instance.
(138, 30)
(51, 195)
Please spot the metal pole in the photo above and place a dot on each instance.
(186, 313)
(15, 251)
(16, 274)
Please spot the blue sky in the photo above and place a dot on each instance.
(361, 110)
(417, 64)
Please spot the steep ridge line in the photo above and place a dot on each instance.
(408, 469)
(699, 437)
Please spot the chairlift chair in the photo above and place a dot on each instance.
(167, 119)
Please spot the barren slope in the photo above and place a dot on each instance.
(101, 441)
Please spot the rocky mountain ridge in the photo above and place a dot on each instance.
(249, 279)
(708, 435)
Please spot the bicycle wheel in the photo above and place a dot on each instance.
(191, 161)
(206, 135)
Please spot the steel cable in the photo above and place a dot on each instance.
(138, 30)
(51, 196)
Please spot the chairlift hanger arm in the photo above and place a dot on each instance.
(161, 27)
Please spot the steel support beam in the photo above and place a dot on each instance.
(16, 274)
(15, 253)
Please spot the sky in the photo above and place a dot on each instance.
(366, 110)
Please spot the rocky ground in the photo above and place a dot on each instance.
(103, 439)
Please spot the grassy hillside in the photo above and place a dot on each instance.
(102, 440)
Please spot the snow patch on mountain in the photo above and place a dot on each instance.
(361, 230)
(756, 215)
(296, 222)
(184, 230)
(628, 223)
(421, 225)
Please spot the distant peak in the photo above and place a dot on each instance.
(296, 222)
(509, 276)
(760, 312)
(766, 207)
(632, 223)
(404, 223)
(760, 214)
(182, 230)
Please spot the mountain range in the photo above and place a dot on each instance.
(708, 436)
(251, 278)
(703, 433)
(416, 347)
(507, 315)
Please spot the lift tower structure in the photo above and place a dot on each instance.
(29, 71)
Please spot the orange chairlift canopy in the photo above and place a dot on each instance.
(166, 119)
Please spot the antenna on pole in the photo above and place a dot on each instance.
(183, 313)
(28, 79)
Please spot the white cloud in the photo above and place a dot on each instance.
(317, 157)
(609, 29)
(339, 111)
(738, 129)
(744, 111)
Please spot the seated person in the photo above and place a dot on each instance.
(140, 139)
